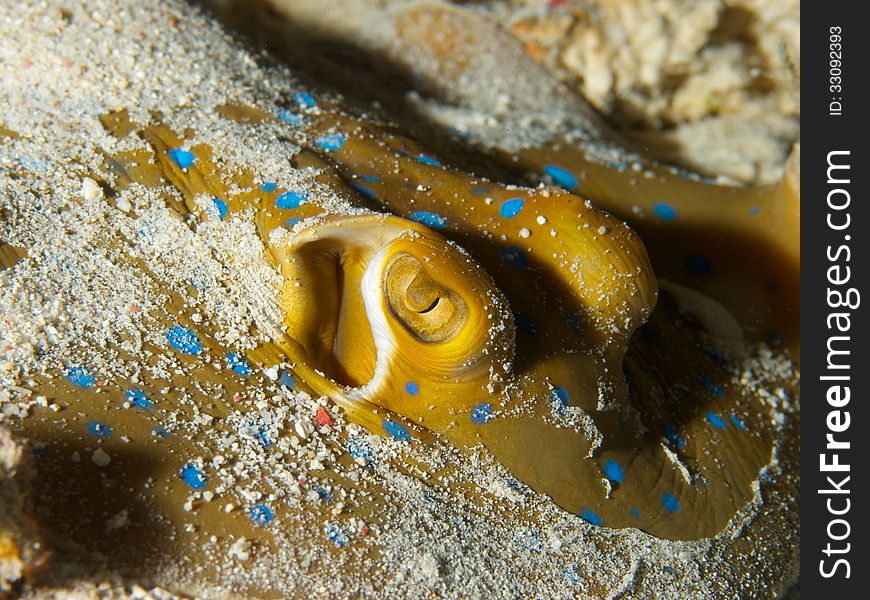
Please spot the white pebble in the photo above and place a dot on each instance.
(303, 429)
(524, 233)
(541, 219)
(91, 190)
(241, 549)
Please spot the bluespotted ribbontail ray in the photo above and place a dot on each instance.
(625, 430)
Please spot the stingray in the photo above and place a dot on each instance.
(526, 320)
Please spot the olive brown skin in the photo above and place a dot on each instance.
(395, 322)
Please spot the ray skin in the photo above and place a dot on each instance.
(615, 410)
(738, 244)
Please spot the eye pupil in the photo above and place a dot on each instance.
(431, 307)
(426, 309)
(422, 293)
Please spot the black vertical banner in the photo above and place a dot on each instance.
(835, 358)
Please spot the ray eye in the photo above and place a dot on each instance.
(425, 307)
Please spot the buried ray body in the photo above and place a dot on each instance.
(609, 407)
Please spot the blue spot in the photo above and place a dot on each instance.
(33, 164)
(238, 364)
(337, 535)
(160, 431)
(269, 186)
(672, 436)
(221, 208)
(715, 420)
(479, 190)
(397, 430)
(634, 513)
(81, 377)
(263, 437)
(427, 160)
(613, 471)
(514, 256)
(304, 100)
(514, 483)
(511, 208)
(412, 388)
(482, 414)
(525, 323)
(590, 516)
(670, 503)
(98, 429)
(183, 158)
(199, 281)
(430, 219)
(193, 476)
(286, 379)
(261, 514)
(360, 448)
(529, 540)
(364, 190)
(138, 398)
(291, 221)
(561, 177)
(291, 117)
(325, 495)
(371, 178)
(665, 212)
(698, 264)
(559, 398)
(330, 142)
(754, 210)
(289, 200)
(570, 574)
(711, 386)
(183, 339)
(738, 423)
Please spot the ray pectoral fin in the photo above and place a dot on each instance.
(628, 482)
(673, 450)
(558, 462)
